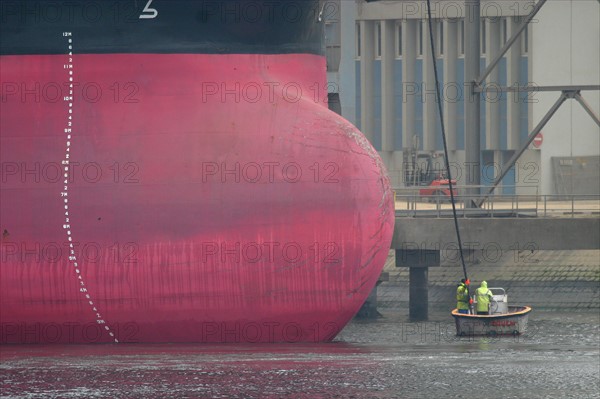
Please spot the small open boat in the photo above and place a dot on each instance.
(503, 320)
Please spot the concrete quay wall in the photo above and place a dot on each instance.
(543, 279)
(503, 233)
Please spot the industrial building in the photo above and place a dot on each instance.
(380, 63)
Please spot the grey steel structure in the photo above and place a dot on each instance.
(472, 114)
(395, 104)
(388, 91)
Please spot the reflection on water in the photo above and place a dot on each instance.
(559, 357)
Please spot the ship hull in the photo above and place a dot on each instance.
(183, 198)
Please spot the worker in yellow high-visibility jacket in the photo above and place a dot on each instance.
(483, 295)
(462, 297)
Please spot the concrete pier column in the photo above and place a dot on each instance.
(418, 304)
(419, 261)
(369, 309)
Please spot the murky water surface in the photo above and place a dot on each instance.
(559, 357)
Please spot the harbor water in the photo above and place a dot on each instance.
(559, 357)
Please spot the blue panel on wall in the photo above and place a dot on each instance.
(508, 182)
(488, 171)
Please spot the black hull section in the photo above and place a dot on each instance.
(163, 26)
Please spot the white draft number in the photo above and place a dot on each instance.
(147, 12)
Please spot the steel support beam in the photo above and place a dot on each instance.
(587, 107)
(523, 89)
(510, 42)
(506, 168)
(472, 103)
(566, 94)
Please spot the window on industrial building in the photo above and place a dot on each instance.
(399, 39)
(440, 38)
(482, 33)
(357, 44)
(461, 38)
(525, 41)
(378, 40)
(420, 38)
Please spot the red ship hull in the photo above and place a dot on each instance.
(208, 198)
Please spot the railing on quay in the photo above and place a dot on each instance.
(410, 202)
